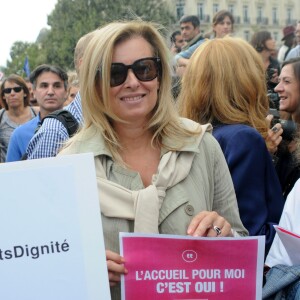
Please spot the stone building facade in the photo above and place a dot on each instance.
(250, 15)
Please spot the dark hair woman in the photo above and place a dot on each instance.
(15, 100)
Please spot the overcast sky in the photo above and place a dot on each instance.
(21, 20)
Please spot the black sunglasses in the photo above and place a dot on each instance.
(16, 89)
(144, 69)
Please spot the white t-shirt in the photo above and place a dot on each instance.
(281, 53)
(290, 220)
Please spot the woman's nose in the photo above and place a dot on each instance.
(131, 79)
(278, 87)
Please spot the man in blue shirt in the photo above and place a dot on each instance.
(53, 134)
(50, 88)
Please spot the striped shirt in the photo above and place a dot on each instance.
(52, 134)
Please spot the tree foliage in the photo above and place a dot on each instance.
(18, 53)
(73, 18)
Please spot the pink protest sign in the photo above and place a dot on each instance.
(169, 267)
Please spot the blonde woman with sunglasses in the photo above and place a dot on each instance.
(156, 173)
(15, 98)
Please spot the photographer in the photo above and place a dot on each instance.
(288, 90)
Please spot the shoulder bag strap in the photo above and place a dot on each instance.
(33, 111)
(2, 111)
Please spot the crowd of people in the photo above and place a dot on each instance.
(212, 162)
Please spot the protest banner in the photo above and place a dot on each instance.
(51, 241)
(169, 267)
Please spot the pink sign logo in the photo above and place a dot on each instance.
(189, 256)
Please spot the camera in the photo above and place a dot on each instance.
(289, 127)
(270, 73)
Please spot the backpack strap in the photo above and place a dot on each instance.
(33, 111)
(66, 118)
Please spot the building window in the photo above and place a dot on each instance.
(259, 18)
(246, 14)
(274, 16)
(289, 15)
(231, 9)
(179, 8)
(200, 11)
(215, 7)
(275, 35)
(259, 13)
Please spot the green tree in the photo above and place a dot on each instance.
(72, 19)
(18, 52)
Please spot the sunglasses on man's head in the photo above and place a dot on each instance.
(144, 69)
(16, 89)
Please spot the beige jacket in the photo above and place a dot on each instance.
(207, 187)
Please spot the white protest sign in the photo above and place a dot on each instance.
(291, 242)
(51, 241)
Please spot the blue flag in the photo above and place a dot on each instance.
(26, 67)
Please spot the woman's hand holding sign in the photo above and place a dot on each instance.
(209, 224)
(115, 267)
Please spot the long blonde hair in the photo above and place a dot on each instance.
(95, 86)
(225, 82)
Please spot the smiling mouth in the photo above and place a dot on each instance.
(132, 99)
(282, 98)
